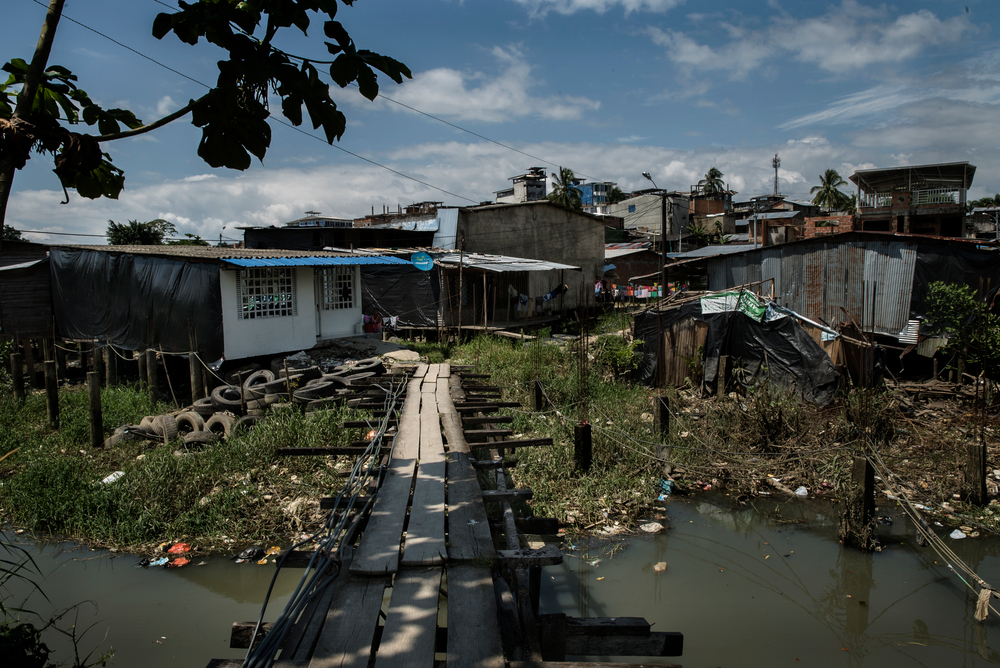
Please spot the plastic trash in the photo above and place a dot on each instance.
(143, 563)
(114, 476)
(667, 486)
(957, 534)
(802, 491)
(250, 554)
(178, 562)
(660, 567)
(159, 562)
(179, 548)
(651, 527)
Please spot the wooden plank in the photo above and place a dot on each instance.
(487, 419)
(521, 443)
(489, 464)
(473, 629)
(485, 433)
(302, 637)
(425, 544)
(327, 451)
(350, 623)
(411, 623)
(367, 423)
(587, 664)
(607, 626)
(469, 534)
(421, 371)
(380, 543)
(657, 643)
(444, 371)
(238, 663)
(478, 408)
(469, 405)
(451, 424)
(543, 556)
(507, 495)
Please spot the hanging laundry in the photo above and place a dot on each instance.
(555, 293)
(512, 292)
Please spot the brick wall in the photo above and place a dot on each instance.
(818, 226)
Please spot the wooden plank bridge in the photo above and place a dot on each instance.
(424, 584)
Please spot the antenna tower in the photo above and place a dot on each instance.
(776, 162)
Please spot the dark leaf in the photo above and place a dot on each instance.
(367, 82)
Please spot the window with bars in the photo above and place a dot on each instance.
(336, 287)
(266, 292)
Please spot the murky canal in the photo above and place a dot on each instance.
(765, 586)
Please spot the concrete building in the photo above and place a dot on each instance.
(922, 199)
(644, 212)
(529, 187)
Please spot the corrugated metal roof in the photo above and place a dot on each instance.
(830, 281)
(497, 263)
(611, 253)
(314, 261)
(23, 265)
(709, 251)
(772, 215)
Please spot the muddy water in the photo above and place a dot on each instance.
(152, 617)
(755, 587)
(772, 587)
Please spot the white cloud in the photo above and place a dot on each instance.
(487, 97)
(539, 8)
(847, 38)
(165, 106)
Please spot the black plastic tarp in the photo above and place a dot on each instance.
(950, 264)
(405, 292)
(137, 302)
(780, 352)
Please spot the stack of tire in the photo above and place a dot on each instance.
(232, 408)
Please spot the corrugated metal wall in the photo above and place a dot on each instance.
(870, 280)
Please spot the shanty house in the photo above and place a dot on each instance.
(234, 303)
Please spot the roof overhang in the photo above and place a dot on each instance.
(496, 263)
(318, 261)
(918, 177)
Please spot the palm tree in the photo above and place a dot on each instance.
(712, 183)
(564, 190)
(827, 195)
(616, 195)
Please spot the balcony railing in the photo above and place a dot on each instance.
(917, 198)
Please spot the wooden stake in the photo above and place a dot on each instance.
(51, 395)
(17, 376)
(720, 382)
(197, 386)
(857, 525)
(151, 377)
(537, 395)
(29, 362)
(582, 446)
(661, 419)
(140, 357)
(110, 366)
(96, 416)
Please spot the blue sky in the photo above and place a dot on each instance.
(609, 88)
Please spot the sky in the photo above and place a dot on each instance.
(608, 88)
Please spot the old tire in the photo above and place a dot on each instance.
(228, 398)
(373, 365)
(307, 373)
(189, 421)
(253, 386)
(204, 407)
(166, 427)
(200, 438)
(220, 423)
(321, 389)
(245, 423)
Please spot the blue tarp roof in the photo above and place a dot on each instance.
(313, 261)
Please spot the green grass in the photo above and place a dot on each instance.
(53, 483)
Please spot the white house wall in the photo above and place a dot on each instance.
(263, 336)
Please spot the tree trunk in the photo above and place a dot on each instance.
(9, 159)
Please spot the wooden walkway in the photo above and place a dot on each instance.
(422, 585)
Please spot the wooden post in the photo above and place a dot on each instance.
(975, 473)
(96, 417)
(197, 388)
(17, 376)
(857, 526)
(51, 395)
(582, 446)
(537, 395)
(29, 362)
(661, 419)
(47, 350)
(60, 360)
(720, 382)
(110, 366)
(97, 355)
(140, 357)
(151, 377)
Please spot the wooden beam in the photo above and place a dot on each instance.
(239, 636)
(328, 451)
(471, 405)
(238, 663)
(522, 443)
(547, 555)
(479, 408)
(507, 495)
(485, 433)
(488, 464)
(488, 419)
(657, 643)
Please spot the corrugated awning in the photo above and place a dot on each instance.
(497, 263)
(314, 261)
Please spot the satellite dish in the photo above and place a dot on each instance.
(422, 261)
